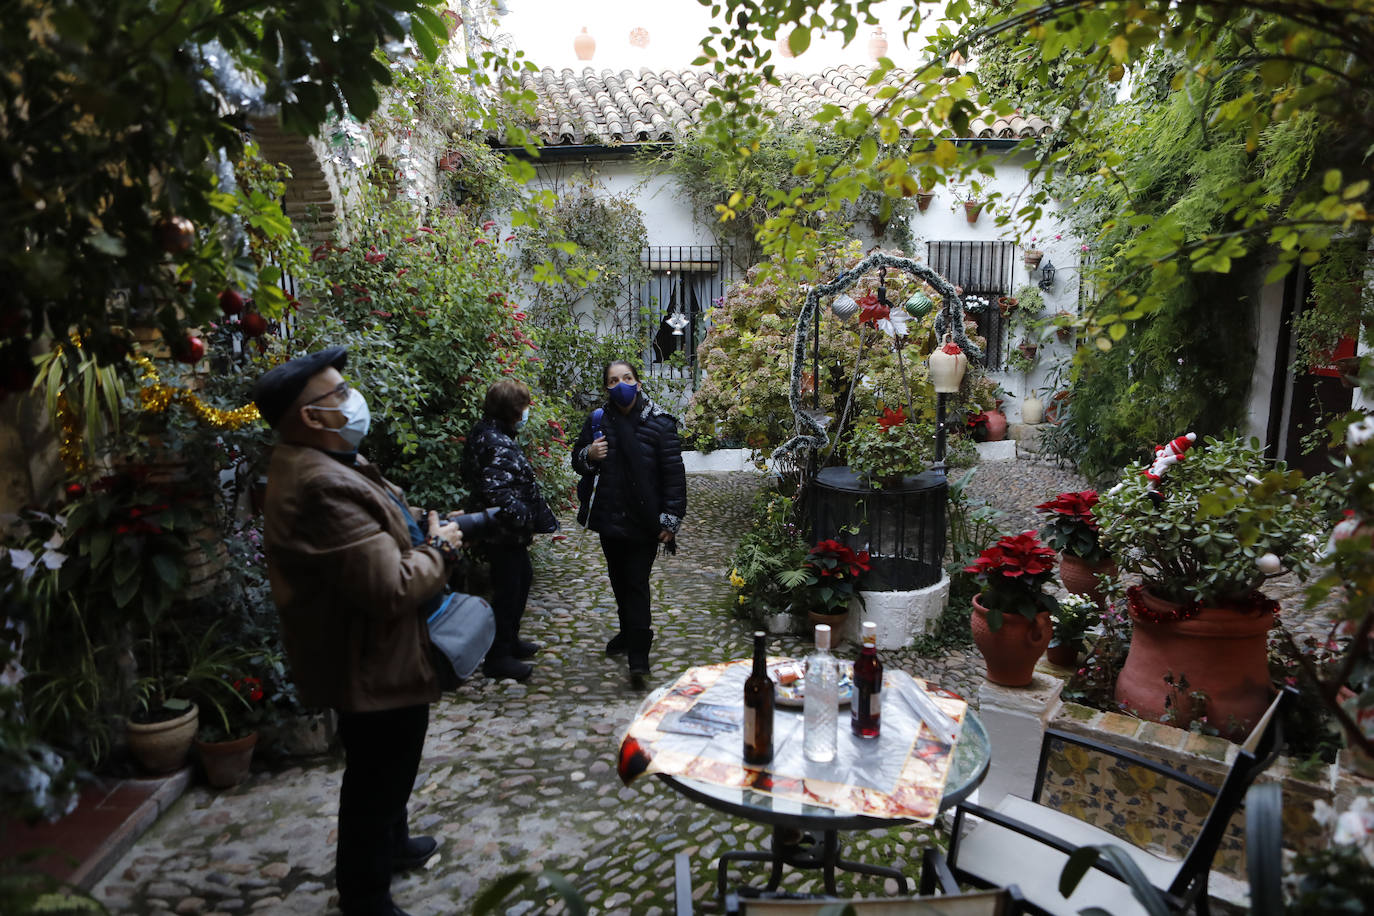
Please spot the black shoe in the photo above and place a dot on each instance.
(504, 667)
(639, 670)
(617, 645)
(525, 649)
(413, 853)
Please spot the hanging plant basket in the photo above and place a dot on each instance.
(971, 210)
(923, 199)
(1006, 305)
(1028, 350)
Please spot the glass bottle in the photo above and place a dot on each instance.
(821, 700)
(758, 707)
(865, 708)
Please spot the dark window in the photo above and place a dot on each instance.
(684, 282)
(983, 269)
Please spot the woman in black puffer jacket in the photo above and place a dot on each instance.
(633, 492)
(498, 474)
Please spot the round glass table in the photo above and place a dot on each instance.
(795, 822)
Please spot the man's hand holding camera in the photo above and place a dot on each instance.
(447, 538)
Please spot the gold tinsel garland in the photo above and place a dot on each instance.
(155, 397)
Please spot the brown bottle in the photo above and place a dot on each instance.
(864, 709)
(758, 707)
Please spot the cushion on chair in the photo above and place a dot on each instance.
(975, 904)
(1000, 856)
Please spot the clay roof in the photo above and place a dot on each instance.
(611, 108)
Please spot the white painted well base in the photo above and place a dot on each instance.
(1015, 718)
(723, 461)
(900, 616)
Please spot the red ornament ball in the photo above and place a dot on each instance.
(230, 302)
(176, 234)
(190, 350)
(253, 324)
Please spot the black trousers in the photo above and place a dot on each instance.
(381, 757)
(628, 564)
(511, 578)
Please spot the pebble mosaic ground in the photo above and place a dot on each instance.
(522, 776)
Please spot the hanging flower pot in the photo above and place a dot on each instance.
(923, 199)
(1028, 350)
(947, 366)
(1064, 331)
(1006, 305)
(1032, 257)
(971, 210)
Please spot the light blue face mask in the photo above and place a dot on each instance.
(524, 418)
(357, 418)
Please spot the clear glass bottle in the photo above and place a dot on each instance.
(866, 707)
(821, 700)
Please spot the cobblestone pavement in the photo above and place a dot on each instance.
(522, 777)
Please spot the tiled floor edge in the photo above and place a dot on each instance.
(123, 838)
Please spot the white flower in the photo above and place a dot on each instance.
(1361, 432)
(53, 559)
(22, 559)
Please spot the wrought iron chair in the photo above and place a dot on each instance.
(1027, 843)
(934, 873)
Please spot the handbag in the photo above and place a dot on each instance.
(460, 633)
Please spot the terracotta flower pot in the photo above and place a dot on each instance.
(971, 210)
(1222, 653)
(161, 747)
(226, 763)
(1079, 577)
(997, 425)
(1032, 258)
(836, 622)
(1011, 650)
(1064, 655)
(923, 199)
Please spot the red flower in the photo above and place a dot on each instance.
(320, 253)
(250, 688)
(427, 229)
(489, 225)
(380, 314)
(891, 418)
(872, 311)
(374, 256)
(1076, 506)
(403, 271)
(1015, 556)
(76, 490)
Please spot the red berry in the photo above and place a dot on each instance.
(190, 350)
(253, 324)
(175, 234)
(230, 302)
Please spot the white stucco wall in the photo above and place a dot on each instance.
(1268, 326)
(669, 219)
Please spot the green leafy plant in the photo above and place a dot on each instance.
(771, 546)
(1224, 521)
(889, 445)
(1072, 619)
(1071, 527)
(237, 719)
(828, 578)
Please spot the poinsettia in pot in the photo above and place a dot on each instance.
(1011, 619)
(887, 448)
(1071, 529)
(826, 582)
(226, 740)
(1205, 528)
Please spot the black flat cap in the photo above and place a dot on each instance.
(278, 388)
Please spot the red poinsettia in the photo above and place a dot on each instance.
(831, 575)
(1013, 573)
(872, 311)
(891, 418)
(1071, 526)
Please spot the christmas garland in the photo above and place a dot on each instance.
(1254, 603)
(811, 431)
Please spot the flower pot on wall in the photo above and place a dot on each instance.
(923, 199)
(226, 763)
(1032, 258)
(1079, 577)
(1011, 650)
(1220, 650)
(161, 747)
(971, 210)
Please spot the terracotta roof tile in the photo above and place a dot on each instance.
(657, 107)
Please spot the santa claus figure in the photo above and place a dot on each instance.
(1166, 456)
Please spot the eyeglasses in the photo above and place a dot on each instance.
(341, 390)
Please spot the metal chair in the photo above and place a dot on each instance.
(1022, 841)
(934, 873)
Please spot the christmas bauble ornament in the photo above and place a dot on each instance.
(230, 302)
(175, 234)
(190, 350)
(844, 307)
(253, 324)
(919, 305)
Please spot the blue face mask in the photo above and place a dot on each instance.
(624, 393)
(524, 418)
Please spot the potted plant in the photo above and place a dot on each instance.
(1071, 528)
(887, 448)
(826, 582)
(1071, 621)
(1063, 325)
(1011, 620)
(1205, 528)
(225, 742)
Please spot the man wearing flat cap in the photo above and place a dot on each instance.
(354, 578)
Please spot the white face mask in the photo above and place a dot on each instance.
(524, 417)
(357, 418)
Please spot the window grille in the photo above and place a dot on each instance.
(984, 269)
(684, 282)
